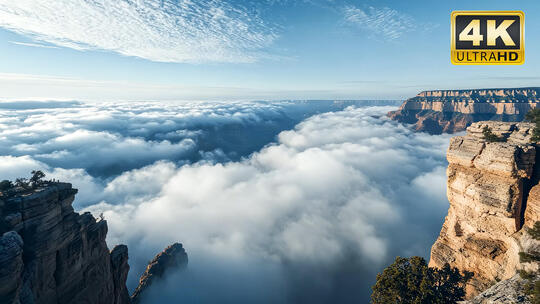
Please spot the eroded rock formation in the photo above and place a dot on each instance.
(50, 254)
(493, 192)
(509, 291)
(449, 111)
(172, 258)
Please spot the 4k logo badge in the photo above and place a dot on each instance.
(488, 37)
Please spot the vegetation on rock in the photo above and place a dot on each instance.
(6, 185)
(8, 188)
(410, 280)
(490, 137)
(532, 288)
(534, 116)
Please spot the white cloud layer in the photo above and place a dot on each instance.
(311, 218)
(157, 30)
(106, 139)
(342, 193)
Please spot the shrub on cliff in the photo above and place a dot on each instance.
(6, 188)
(22, 183)
(534, 116)
(6, 185)
(532, 288)
(37, 178)
(534, 232)
(490, 137)
(410, 280)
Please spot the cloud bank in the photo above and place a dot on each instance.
(311, 216)
(157, 30)
(106, 139)
(310, 219)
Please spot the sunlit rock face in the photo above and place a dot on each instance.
(450, 111)
(489, 189)
(509, 291)
(50, 254)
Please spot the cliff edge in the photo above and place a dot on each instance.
(173, 257)
(450, 111)
(494, 198)
(50, 254)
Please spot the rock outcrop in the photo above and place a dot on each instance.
(173, 257)
(510, 291)
(50, 254)
(449, 111)
(493, 192)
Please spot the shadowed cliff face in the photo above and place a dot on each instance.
(173, 258)
(489, 190)
(450, 111)
(50, 254)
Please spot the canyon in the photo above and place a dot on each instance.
(51, 254)
(450, 111)
(494, 194)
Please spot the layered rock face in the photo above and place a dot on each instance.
(493, 192)
(449, 111)
(173, 257)
(50, 254)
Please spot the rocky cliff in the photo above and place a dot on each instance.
(494, 198)
(173, 257)
(449, 111)
(51, 254)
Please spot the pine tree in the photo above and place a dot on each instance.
(411, 281)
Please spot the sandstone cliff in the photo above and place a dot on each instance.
(449, 111)
(50, 254)
(493, 193)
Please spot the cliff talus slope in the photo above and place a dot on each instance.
(449, 111)
(493, 193)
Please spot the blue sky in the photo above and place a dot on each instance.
(238, 50)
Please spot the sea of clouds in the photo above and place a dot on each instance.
(275, 202)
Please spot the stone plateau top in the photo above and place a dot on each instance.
(483, 95)
(449, 111)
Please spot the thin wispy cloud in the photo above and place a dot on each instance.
(37, 45)
(380, 23)
(156, 30)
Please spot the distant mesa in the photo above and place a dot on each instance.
(450, 111)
